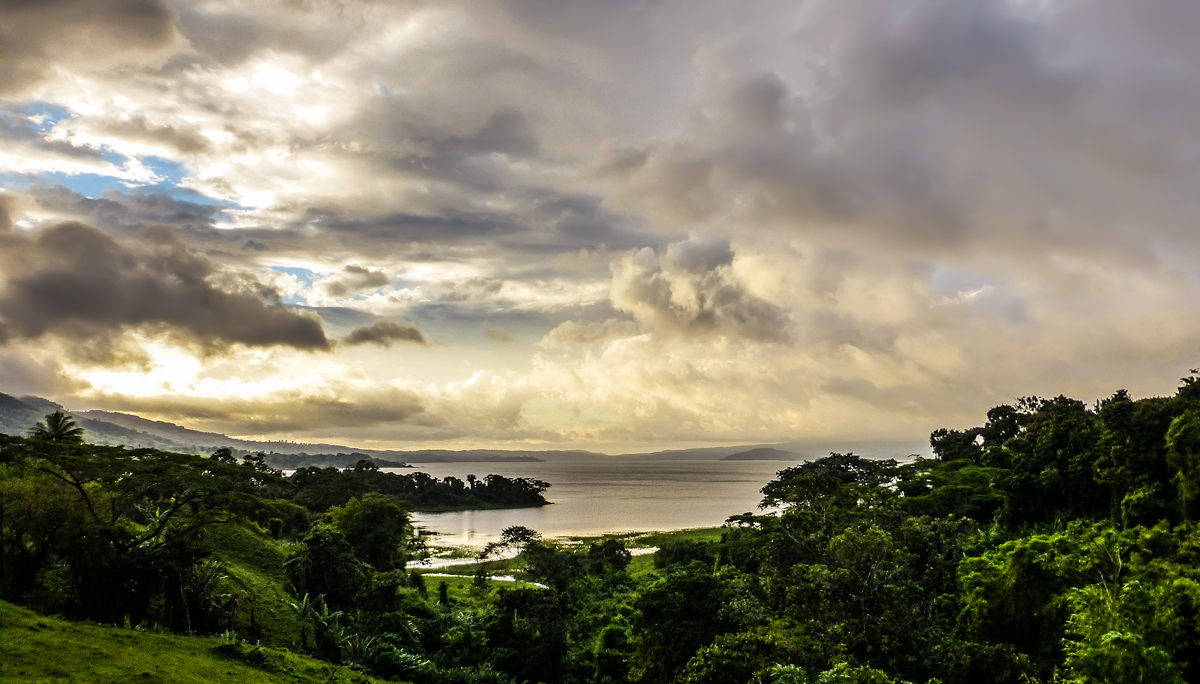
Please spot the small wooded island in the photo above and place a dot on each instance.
(1056, 542)
(318, 489)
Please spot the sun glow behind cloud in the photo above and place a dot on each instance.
(166, 369)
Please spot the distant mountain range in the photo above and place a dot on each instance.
(18, 415)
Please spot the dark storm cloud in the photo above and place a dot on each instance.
(384, 333)
(38, 35)
(73, 281)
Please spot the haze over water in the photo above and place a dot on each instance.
(599, 497)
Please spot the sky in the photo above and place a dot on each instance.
(607, 224)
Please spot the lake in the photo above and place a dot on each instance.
(601, 497)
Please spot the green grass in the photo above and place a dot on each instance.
(642, 565)
(452, 552)
(36, 649)
(461, 583)
(699, 534)
(635, 540)
(254, 563)
(639, 566)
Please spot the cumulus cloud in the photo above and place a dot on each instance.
(73, 281)
(384, 333)
(691, 287)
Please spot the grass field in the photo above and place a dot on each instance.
(36, 649)
(641, 540)
(254, 563)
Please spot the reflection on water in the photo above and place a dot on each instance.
(599, 497)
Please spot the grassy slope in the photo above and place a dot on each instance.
(254, 563)
(42, 649)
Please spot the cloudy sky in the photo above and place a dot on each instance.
(611, 224)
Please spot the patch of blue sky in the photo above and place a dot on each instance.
(111, 156)
(91, 185)
(46, 114)
(950, 281)
(171, 173)
(95, 186)
(979, 292)
(302, 274)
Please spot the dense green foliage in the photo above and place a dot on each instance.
(1054, 543)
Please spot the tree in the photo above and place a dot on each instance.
(1183, 453)
(730, 658)
(57, 427)
(324, 565)
(224, 455)
(514, 538)
(673, 618)
(376, 527)
(123, 528)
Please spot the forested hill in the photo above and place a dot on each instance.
(1054, 542)
(18, 415)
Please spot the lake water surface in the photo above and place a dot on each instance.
(601, 497)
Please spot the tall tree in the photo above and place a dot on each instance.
(57, 427)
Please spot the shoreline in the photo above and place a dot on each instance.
(638, 544)
(481, 507)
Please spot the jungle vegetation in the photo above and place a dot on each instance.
(1056, 542)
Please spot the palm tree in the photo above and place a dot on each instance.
(58, 427)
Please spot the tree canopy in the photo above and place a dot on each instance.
(1056, 542)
